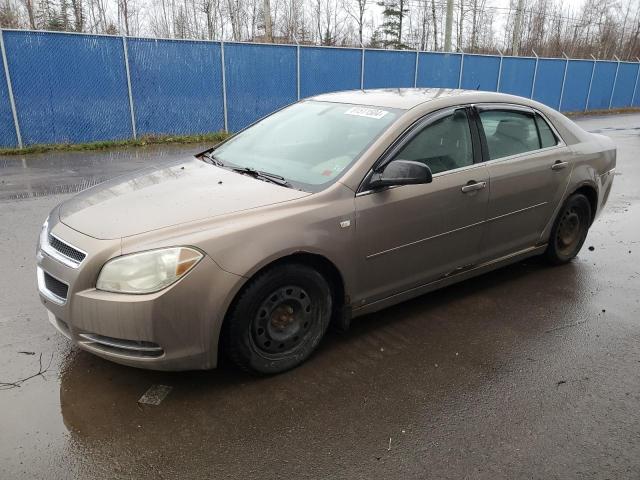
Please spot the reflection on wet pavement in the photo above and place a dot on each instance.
(56, 173)
(527, 372)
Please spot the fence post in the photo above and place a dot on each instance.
(12, 102)
(635, 85)
(125, 49)
(564, 77)
(615, 81)
(593, 69)
(499, 72)
(415, 73)
(461, 68)
(297, 66)
(535, 74)
(224, 87)
(362, 68)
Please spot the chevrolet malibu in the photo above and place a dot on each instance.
(336, 206)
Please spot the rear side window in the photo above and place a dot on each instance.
(442, 145)
(547, 137)
(509, 132)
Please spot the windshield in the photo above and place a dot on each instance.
(309, 143)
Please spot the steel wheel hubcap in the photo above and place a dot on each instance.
(283, 320)
(569, 230)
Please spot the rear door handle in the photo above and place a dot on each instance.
(472, 186)
(559, 165)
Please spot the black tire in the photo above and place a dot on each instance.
(278, 319)
(569, 230)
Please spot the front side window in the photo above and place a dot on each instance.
(509, 132)
(309, 143)
(442, 145)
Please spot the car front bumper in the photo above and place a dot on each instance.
(174, 329)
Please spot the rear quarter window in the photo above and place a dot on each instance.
(547, 137)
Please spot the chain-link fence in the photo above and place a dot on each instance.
(75, 88)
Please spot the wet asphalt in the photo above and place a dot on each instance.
(526, 372)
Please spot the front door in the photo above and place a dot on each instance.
(410, 235)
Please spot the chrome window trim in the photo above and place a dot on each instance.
(459, 169)
(523, 154)
(368, 192)
(56, 255)
(42, 287)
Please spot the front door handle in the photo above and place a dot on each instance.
(559, 165)
(472, 186)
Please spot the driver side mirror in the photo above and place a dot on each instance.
(401, 172)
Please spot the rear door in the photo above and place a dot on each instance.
(412, 234)
(529, 174)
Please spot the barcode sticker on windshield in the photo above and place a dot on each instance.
(366, 112)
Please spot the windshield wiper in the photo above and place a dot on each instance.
(270, 177)
(213, 160)
(262, 175)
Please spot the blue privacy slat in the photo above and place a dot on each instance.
(389, 69)
(480, 72)
(623, 92)
(7, 128)
(260, 79)
(517, 75)
(576, 85)
(68, 88)
(72, 88)
(329, 70)
(548, 85)
(602, 86)
(177, 86)
(439, 70)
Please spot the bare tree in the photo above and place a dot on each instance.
(31, 14)
(602, 28)
(435, 25)
(357, 14)
(78, 15)
(123, 13)
(9, 15)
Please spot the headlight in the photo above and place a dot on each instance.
(147, 272)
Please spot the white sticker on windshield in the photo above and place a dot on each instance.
(366, 112)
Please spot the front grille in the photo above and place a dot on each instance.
(65, 249)
(55, 286)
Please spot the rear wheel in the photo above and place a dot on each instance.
(278, 320)
(569, 230)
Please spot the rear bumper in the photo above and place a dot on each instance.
(174, 329)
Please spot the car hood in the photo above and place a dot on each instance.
(155, 198)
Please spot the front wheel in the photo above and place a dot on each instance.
(278, 320)
(569, 230)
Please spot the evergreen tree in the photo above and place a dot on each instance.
(376, 40)
(393, 13)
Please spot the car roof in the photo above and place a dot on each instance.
(407, 98)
